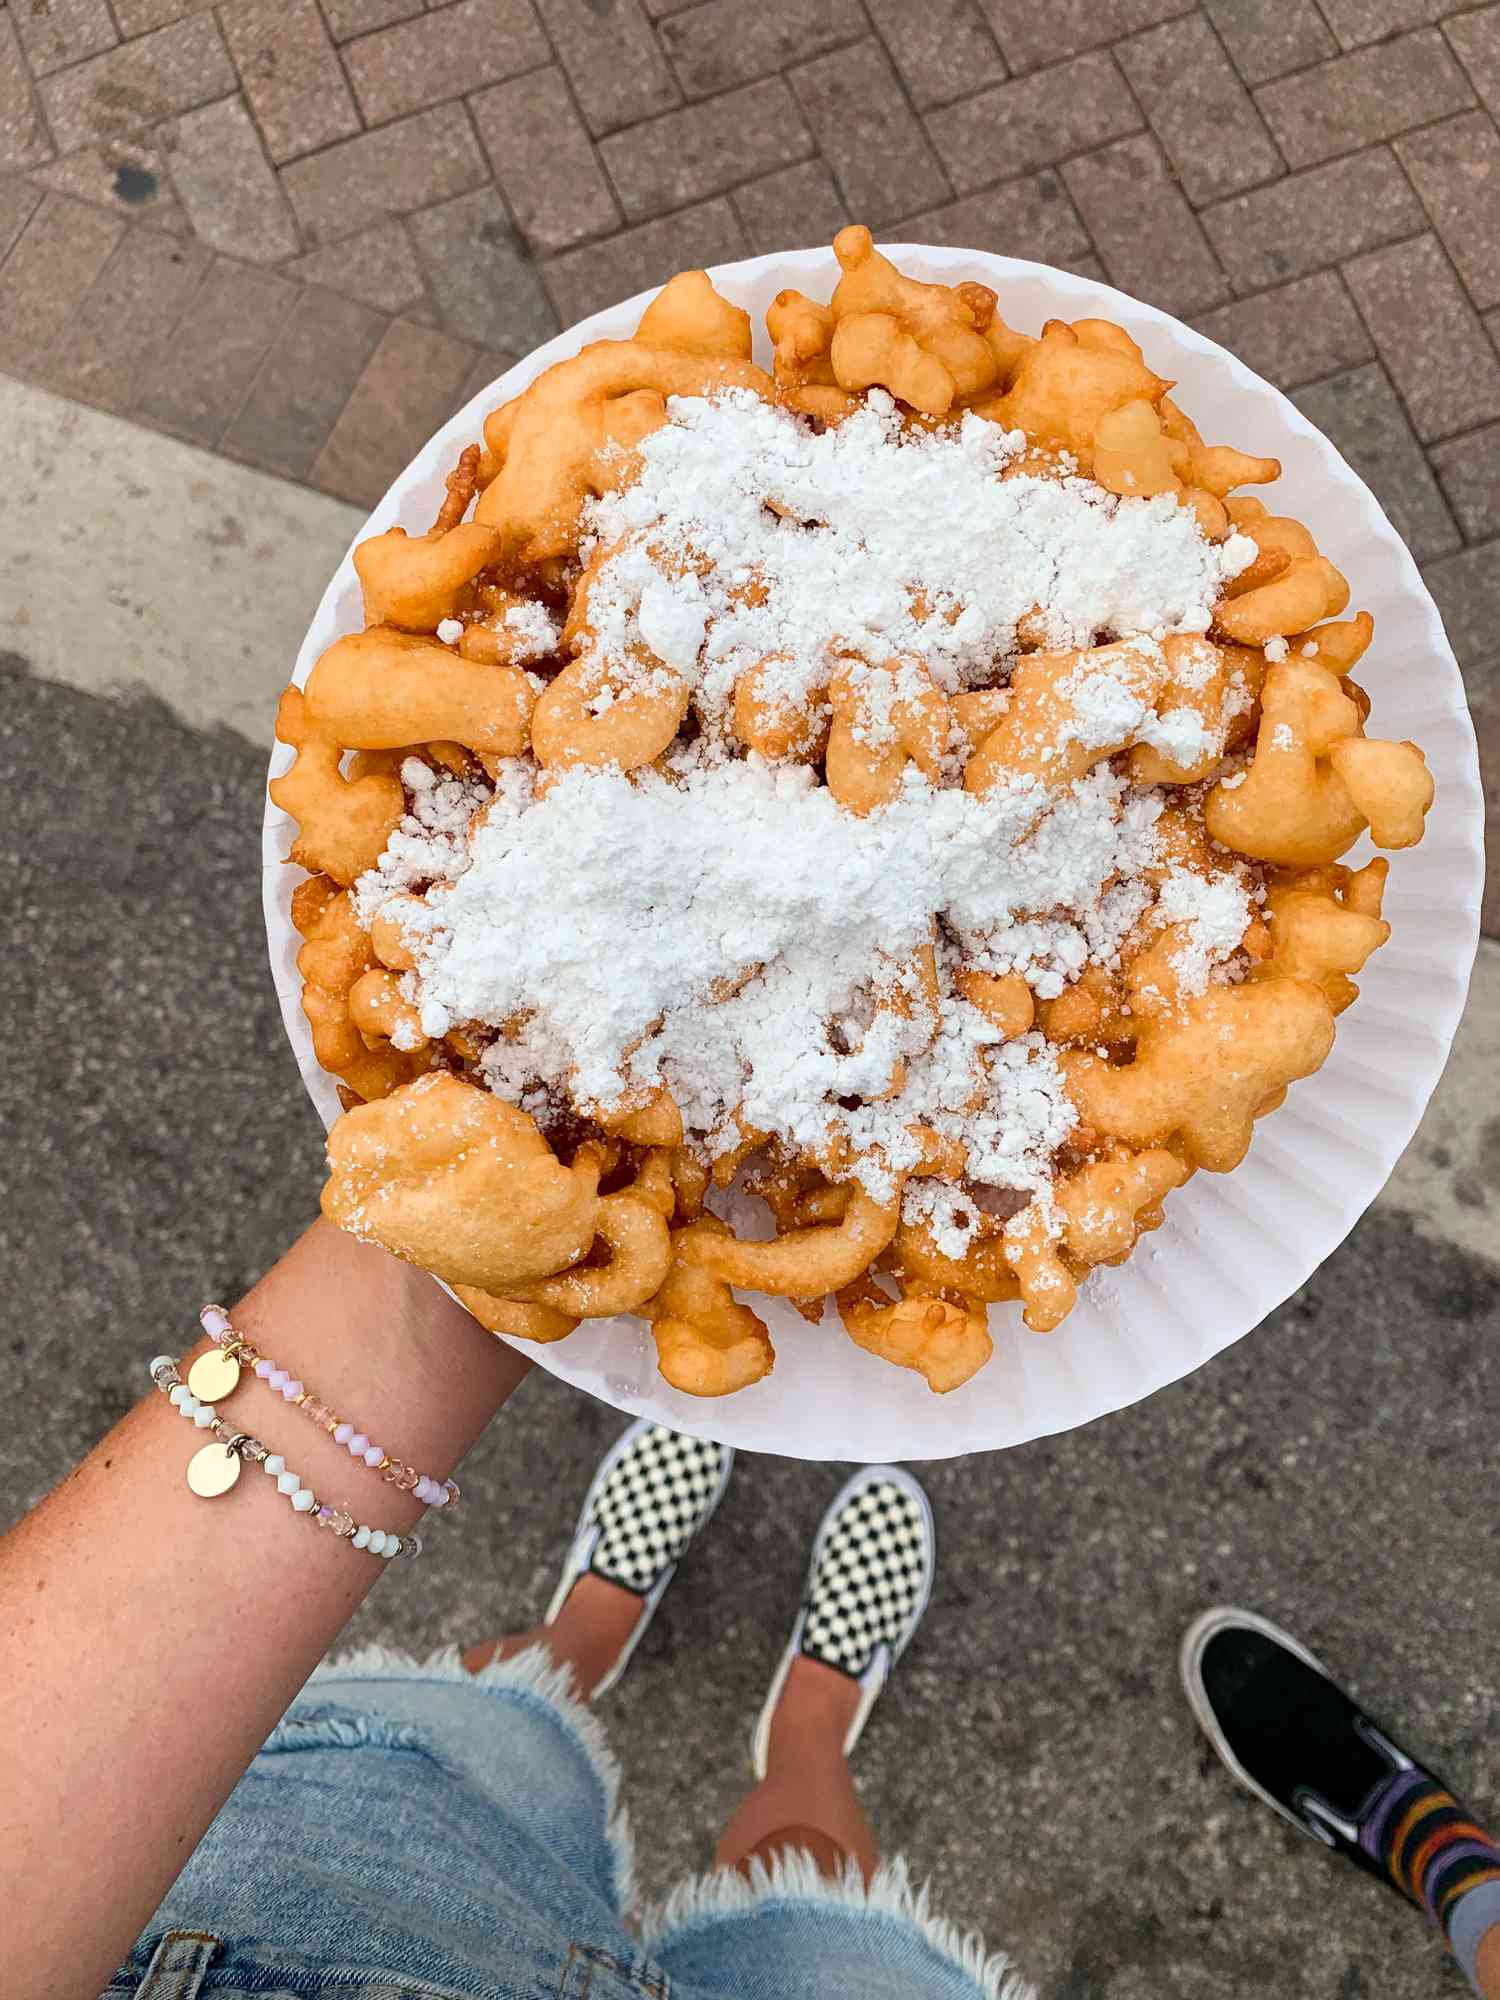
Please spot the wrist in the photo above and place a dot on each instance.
(380, 1343)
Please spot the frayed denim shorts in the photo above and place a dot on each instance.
(414, 1832)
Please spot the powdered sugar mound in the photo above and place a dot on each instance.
(739, 937)
(746, 535)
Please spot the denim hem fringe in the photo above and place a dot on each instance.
(793, 1877)
(532, 1673)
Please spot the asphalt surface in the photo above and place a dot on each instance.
(1034, 1755)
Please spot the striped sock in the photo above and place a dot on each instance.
(1439, 1857)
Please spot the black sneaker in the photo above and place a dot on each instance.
(1290, 1734)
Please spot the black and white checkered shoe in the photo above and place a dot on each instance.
(868, 1583)
(652, 1493)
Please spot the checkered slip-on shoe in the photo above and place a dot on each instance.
(652, 1493)
(868, 1583)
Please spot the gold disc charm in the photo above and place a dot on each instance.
(213, 1470)
(213, 1375)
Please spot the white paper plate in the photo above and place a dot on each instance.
(1233, 1246)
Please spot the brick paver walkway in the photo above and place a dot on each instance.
(299, 232)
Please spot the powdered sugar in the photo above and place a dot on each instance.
(611, 916)
(673, 616)
(747, 535)
(536, 629)
(1181, 734)
(429, 845)
(1112, 695)
(1215, 913)
(951, 1219)
(1108, 705)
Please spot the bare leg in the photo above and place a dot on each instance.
(586, 1635)
(807, 1798)
(1487, 1964)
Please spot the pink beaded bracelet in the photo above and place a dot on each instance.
(213, 1376)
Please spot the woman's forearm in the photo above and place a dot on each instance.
(149, 1639)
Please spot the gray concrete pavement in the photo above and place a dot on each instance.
(1334, 1469)
(198, 576)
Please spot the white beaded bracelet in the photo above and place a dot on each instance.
(216, 1468)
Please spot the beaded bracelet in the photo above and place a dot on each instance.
(213, 1376)
(215, 1468)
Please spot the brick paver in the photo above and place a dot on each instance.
(1296, 333)
(1362, 413)
(792, 209)
(348, 18)
(1475, 39)
(64, 31)
(480, 273)
(682, 157)
(1126, 194)
(410, 386)
(1455, 168)
(56, 261)
(378, 267)
(1034, 121)
(544, 161)
(1435, 349)
(1215, 138)
(1468, 468)
(295, 231)
(118, 328)
(1372, 94)
(23, 136)
(393, 170)
(1270, 38)
(1032, 32)
(291, 74)
(871, 138)
(308, 373)
(203, 373)
(1032, 217)
(18, 203)
(714, 47)
(135, 86)
(126, 175)
(1307, 222)
(442, 55)
(941, 52)
(228, 187)
(139, 17)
